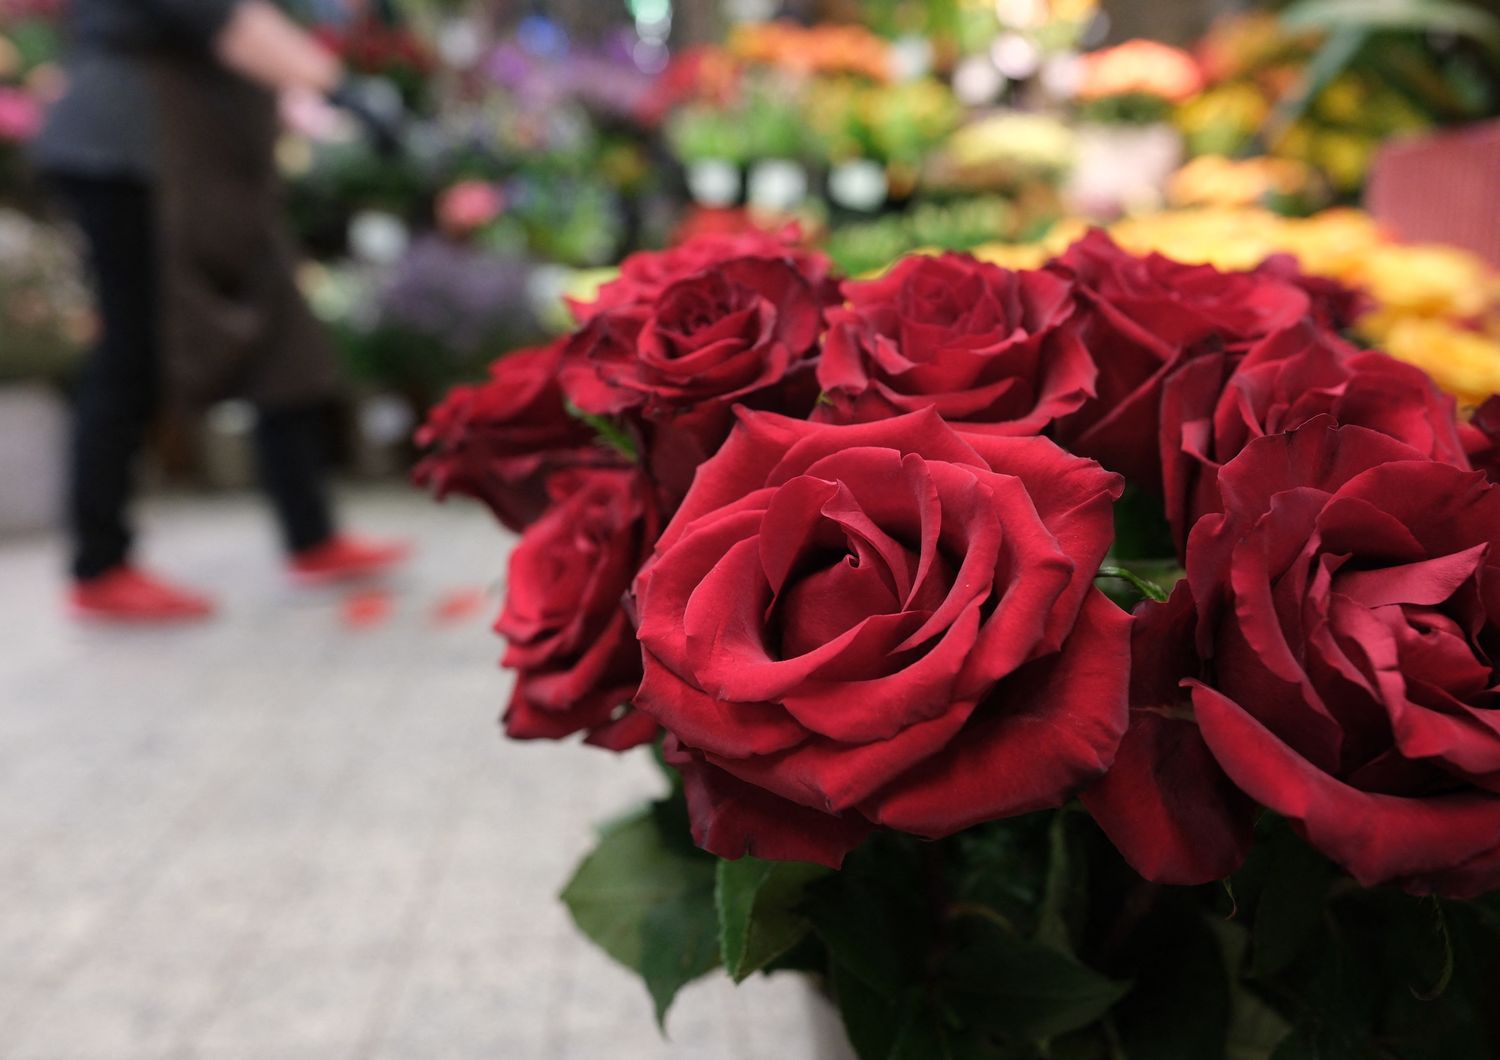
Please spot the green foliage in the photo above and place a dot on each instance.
(1181, 1003)
(1020, 988)
(647, 900)
(760, 916)
(1141, 528)
(609, 432)
(1457, 19)
(1030, 939)
(949, 974)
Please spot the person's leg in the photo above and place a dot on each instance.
(290, 445)
(117, 391)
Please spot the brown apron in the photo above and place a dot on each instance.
(235, 323)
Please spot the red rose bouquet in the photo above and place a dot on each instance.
(1097, 661)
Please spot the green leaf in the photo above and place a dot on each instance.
(759, 907)
(608, 431)
(1415, 16)
(1336, 53)
(1255, 1028)
(1291, 904)
(1141, 528)
(1149, 589)
(1064, 889)
(874, 916)
(925, 1035)
(679, 943)
(648, 903)
(871, 1018)
(1023, 989)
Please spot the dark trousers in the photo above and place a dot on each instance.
(119, 391)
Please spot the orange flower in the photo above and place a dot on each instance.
(822, 49)
(1140, 67)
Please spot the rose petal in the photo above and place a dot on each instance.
(1043, 733)
(1377, 838)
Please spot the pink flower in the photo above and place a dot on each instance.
(468, 206)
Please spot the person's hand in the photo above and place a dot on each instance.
(308, 112)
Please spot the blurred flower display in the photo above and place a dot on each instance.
(1263, 93)
(46, 315)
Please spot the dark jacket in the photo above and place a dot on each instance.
(104, 125)
(149, 102)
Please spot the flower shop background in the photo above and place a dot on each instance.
(521, 152)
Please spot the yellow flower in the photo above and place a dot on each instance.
(1029, 141)
(1063, 234)
(1462, 362)
(1332, 243)
(1223, 238)
(1344, 101)
(1072, 10)
(1143, 67)
(1239, 107)
(1013, 255)
(1344, 156)
(1427, 279)
(1213, 180)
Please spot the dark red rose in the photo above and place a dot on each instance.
(1346, 618)
(1165, 802)
(1334, 305)
(645, 275)
(889, 624)
(1283, 382)
(572, 644)
(745, 329)
(1481, 435)
(987, 348)
(497, 441)
(1144, 317)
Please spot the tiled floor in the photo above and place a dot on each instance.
(283, 836)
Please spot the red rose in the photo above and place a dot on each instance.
(1142, 318)
(889, 624)
(645, 275)
(497, 441)
(1333, 304)
(1165, 802)
(571, 641)
(1346, 612)
(1283, 382)
(743, 329)
(1481, 437)
(985, 347)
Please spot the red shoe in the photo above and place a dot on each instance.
(345, 557)
(127, 595)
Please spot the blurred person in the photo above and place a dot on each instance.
(163, 151)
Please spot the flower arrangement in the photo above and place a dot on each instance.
(30, 77)
(1089, 660)
(373, 48)
(826, 48)
(46, 315)
(1254, 67)
(1137, 81)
